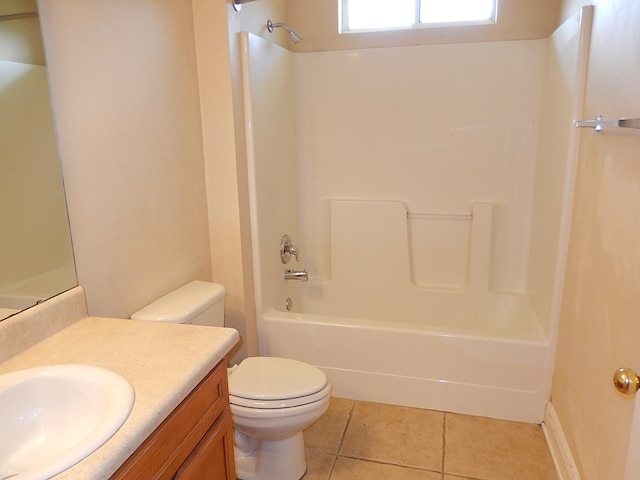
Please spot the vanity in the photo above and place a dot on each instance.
(180, 425)
(196, 440)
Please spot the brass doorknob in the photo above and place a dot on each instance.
(626, 381)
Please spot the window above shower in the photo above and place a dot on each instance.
(375, 15)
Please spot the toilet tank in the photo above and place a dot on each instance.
(197, 302)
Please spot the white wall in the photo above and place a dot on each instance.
(273, 163)
(438, 128)
(566, 56)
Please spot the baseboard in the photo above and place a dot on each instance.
(558, 445)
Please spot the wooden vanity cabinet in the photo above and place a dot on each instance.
(195, 442)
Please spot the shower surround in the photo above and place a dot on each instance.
(428, 189)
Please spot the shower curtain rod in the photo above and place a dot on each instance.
(17, 16)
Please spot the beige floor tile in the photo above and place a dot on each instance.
(496, 449)
(318, 465)
(403, 436)
(326, 434)
(352, 469)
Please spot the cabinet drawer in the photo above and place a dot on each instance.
(160, 456)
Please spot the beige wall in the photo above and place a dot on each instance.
(150, 125)
(599, 328)
(228, 215)
(126, 98)
(517, 20)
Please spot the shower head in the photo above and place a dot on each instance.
(295, 36)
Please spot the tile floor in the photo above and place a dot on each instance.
(363, 440)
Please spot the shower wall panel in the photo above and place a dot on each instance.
(438, 128)
(563, 95)
(268, 76)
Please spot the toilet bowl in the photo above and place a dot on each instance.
(272, 399)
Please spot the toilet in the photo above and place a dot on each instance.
(272, 399)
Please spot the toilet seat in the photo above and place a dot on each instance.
(280, 403)
(274, 382)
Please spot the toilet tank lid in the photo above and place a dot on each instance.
(182, 304)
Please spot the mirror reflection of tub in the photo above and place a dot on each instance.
(36, 257)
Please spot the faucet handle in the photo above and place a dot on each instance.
(287, 249)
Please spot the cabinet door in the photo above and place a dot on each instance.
(213, 457)
(171, 444)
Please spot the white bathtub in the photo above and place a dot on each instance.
(27, 293)
(400, 307)
(451, 369)
(12, 304)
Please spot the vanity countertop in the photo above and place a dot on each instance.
(163, 362)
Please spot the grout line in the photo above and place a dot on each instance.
(444, 441)
(344, 433)
(346, 427)
(461, 477)
(333, 464)
(392, 464)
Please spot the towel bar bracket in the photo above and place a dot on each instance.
(599, 123)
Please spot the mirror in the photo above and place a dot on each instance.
(36, 257)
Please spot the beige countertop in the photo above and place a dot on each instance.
(163, 362)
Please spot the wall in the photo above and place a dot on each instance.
(517, 20)
(273, 163)
(599, 331)
(231, 266)
(125, 89)
(566, 57)
(438, 128)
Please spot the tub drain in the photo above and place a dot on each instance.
(288, 304)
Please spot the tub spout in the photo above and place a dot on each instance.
(296, 275)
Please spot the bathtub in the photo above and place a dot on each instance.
(24, 294)
(467, 368)
(402, 303)
(12, 304)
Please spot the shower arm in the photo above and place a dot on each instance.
(295, 36)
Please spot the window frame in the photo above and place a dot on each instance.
(343, 17)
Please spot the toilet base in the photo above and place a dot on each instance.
(277, 459)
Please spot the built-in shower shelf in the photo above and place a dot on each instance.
(599, 123)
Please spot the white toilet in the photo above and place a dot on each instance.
(272, 399)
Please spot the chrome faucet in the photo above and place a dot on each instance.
(300, 275)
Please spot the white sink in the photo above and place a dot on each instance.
(53, 417)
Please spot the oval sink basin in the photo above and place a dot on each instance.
(53, 417)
